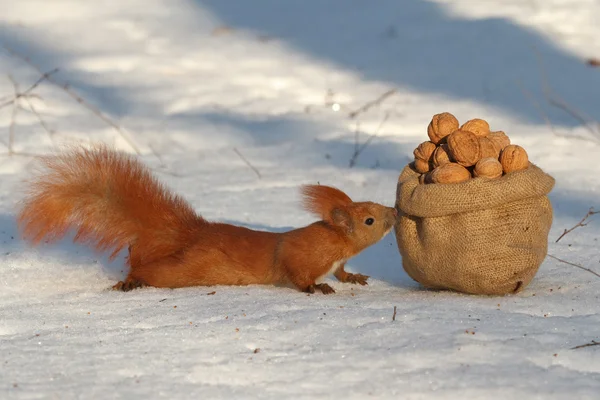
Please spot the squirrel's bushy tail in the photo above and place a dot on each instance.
(111, 200)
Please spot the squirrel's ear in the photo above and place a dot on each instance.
(342, 219)
(323, 200)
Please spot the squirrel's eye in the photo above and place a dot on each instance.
(369, 221)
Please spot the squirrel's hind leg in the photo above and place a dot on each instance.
(129, 284)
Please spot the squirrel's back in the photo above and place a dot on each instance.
(111, 200)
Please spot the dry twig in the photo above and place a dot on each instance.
(27, 92)
(555, 100)
(372, 103)
(579, 224)
(394, 315)
(560, 103)
(165, 170)
(359, 148)
(247, 163)
(67, 89)
(545, 117)
(537, 105)
(581, 346)
(574, 265)
(26, 96)
(50, 131)
(13, 117)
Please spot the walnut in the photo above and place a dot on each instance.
(488, 148)
(464, 148)
(441, 125)
(499, 139)
(450, 173)
(488, 167)
(422, 166)
(440, 155)
(424, 151)
(514, 158)
(477, 126)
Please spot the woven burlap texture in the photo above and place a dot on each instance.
(483, 236)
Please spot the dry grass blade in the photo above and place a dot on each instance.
(372, 103)
(256, 171)
(574, 265)
(13, 116)
(359, 148)
(11, 129)
(537, 105)
(65, 87)
(555, 100)
(581, 346)
(50, 131)
(26, 92)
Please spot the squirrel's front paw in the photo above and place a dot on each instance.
(357, 279)
(325, 288)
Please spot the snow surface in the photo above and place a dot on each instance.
(190, 81)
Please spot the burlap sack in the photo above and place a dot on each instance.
(481, 237)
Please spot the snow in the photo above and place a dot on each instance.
(189, 82)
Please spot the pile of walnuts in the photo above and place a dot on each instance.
(456, 154)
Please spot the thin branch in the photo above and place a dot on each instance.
(370, 139)
(29, 89)
(50, 131)
(11, 129)
(394, 315)
(537, 105)
(360, 148)
(555, 100)
(560, 103)
(581, 346)
(13, 116)
(95, 110)
(356, 138)
(247, 163)
(579, 224)
(357, 151)
(166, 171)
(574, 265)
(372, 103)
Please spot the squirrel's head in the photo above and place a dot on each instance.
(364, 223)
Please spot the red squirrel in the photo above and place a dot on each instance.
(114, 202)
